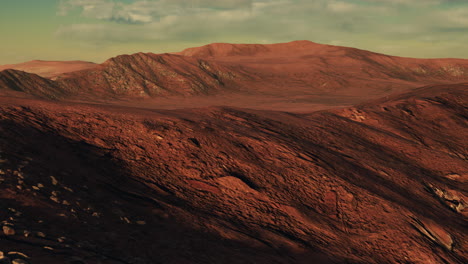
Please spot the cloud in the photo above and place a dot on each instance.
(369, 24)
(339, 6)
(458, 16)
(144, 11)
(100, 9)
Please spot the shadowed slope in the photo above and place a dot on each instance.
(19, 81)
(382, 182)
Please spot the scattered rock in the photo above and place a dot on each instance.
(18, 174)
(452, 199)
(17, 255)
(19, 261)
(96, 214)
(26, 233)
(55, 199)
(8, 230)
(457, 177)
(49, 248)
(54, 180)
(434, 233)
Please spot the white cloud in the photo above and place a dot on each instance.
(365, 23)
(101, 9)
(458, 16)
(145, 11)
(339, 6)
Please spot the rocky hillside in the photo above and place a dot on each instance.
(29, 83)
(381, 182)
(300, 71)
(307, 67)
(143, 75)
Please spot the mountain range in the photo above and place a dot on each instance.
(236, 153)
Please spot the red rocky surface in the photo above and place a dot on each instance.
(379, 182)
(299, 73)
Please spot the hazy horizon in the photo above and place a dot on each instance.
(95, 30)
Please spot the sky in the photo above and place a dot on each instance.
(95, 30)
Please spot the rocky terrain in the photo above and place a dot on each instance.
(382, 180)
(296, 72)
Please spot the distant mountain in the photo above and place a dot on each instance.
(152, 75)
(29, 83)
(294, 70)
(233, 50)
(49, 69)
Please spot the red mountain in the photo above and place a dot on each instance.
(127, 181)
(302, 71)
(143, 75)
(49, 69)
(19, 81)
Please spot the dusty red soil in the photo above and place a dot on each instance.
(380, 182)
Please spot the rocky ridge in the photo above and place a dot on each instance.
(380, 182)
(300, 71)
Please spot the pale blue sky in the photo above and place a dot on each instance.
(95, 30)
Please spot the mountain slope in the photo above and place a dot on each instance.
(381, 182)
(19, 81)
(305, 67)
(303, 72)
(143, 75)
(49, 69)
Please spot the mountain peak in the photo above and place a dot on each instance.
(228, 49)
